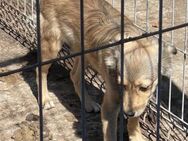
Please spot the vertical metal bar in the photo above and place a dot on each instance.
(172, 42)
(172, 21)
(82, 87)
(32, 10)
(147, 16)
(184, 64)
(156, 96)
(135, 8)
(18, 4)
(113, 3)
(159, 66)
(25, 8)
(39, 61)
(122, 71)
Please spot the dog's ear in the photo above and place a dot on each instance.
(167, 48)
(171, 49)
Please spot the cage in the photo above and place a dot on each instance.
(18, 19)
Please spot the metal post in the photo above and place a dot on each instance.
(184, 63)
(82, 87)
(39, 62)
(172, 42)
(159, 66)
(122, 70)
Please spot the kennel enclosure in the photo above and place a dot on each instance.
(18, 19)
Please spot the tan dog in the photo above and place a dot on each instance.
(60, 24)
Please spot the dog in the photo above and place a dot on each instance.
(60, 23)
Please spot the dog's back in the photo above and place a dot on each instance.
(61, 19)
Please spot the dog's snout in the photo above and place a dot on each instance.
(130, 113)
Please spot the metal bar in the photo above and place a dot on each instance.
(159, 66)
(96, 49)
(25, 7)
(181, 51)
(17, 1)
(32, 10)
(147, 15)
(113, 3)
(82, 87)
(39, 60)
(172, 42)
(174, 116)
(122, 70)
(184, 63)
(172, 21)
(135, 8)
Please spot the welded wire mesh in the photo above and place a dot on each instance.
(18, 18)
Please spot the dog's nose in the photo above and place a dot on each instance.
(130, 113)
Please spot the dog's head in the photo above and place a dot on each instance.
(140, 74)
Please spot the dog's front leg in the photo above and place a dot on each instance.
(134, 129)
(49, 50)
(90, 104)
(110, 110)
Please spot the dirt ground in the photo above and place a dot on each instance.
(18, 92)
(18, 104)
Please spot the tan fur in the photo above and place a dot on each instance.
(60, 23)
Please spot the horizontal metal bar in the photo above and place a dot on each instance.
(145, 35)
(181, 51)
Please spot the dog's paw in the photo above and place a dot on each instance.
(48, 105)
(92, 107)
(137, 138)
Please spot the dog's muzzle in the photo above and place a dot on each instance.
(129, 114)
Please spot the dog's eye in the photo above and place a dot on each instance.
(143, 88)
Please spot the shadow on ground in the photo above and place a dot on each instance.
(58, 80)
(60, 85)
(176, 98)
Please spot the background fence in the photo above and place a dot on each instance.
(18, 19)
